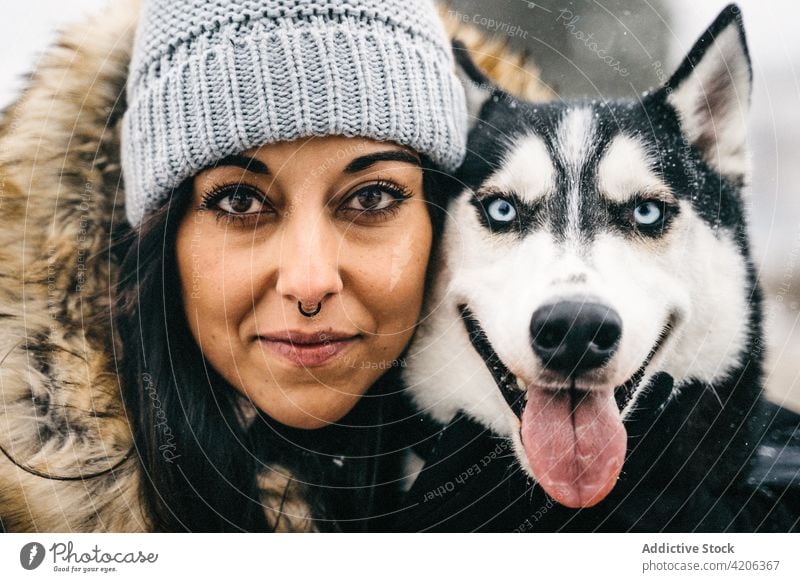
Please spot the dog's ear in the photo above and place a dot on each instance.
(711, 93)
(477, 86)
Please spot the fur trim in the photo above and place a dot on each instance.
(61, 412)
(61, 408)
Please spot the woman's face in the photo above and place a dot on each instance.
(331, 219)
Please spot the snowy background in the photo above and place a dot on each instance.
(637, 33)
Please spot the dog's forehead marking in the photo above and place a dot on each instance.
(626, 169)
(573, 144)
(574, 136)
(527, 170)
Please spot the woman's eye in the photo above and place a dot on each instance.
(240, 200)
(648, 213)
(376, 198)
(501, 210)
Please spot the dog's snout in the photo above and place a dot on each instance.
(572, 337)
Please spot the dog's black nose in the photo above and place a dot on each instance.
(572, 337)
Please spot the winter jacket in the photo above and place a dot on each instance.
(61, 205)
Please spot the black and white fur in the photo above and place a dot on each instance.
(577, 174)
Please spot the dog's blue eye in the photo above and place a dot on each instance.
(647, 213)
(501, 210)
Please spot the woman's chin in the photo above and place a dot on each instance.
(308, 407)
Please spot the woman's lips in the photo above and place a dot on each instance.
(308, 355)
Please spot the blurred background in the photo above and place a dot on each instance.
(602, 49)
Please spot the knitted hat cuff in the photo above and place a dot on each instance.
(221, 95)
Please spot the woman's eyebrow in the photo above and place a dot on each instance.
(366, 161)
(244, 162)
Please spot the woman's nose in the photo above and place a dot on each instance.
(309, 260)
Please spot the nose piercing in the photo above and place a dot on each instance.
(309, 313)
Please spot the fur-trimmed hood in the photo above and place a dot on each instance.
(61, 203)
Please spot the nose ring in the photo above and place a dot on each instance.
(309, 313)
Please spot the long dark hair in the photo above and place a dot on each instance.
(200, 462)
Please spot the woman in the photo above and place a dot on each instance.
(258, 226)
(285, 232)
(223, 424)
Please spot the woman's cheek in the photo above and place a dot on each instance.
(215, 285)
(401, 286)
(401, 264)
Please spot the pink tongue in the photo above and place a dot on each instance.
(576, 454)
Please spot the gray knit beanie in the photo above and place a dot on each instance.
(211, 78)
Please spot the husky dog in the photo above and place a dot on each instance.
(595, 247)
